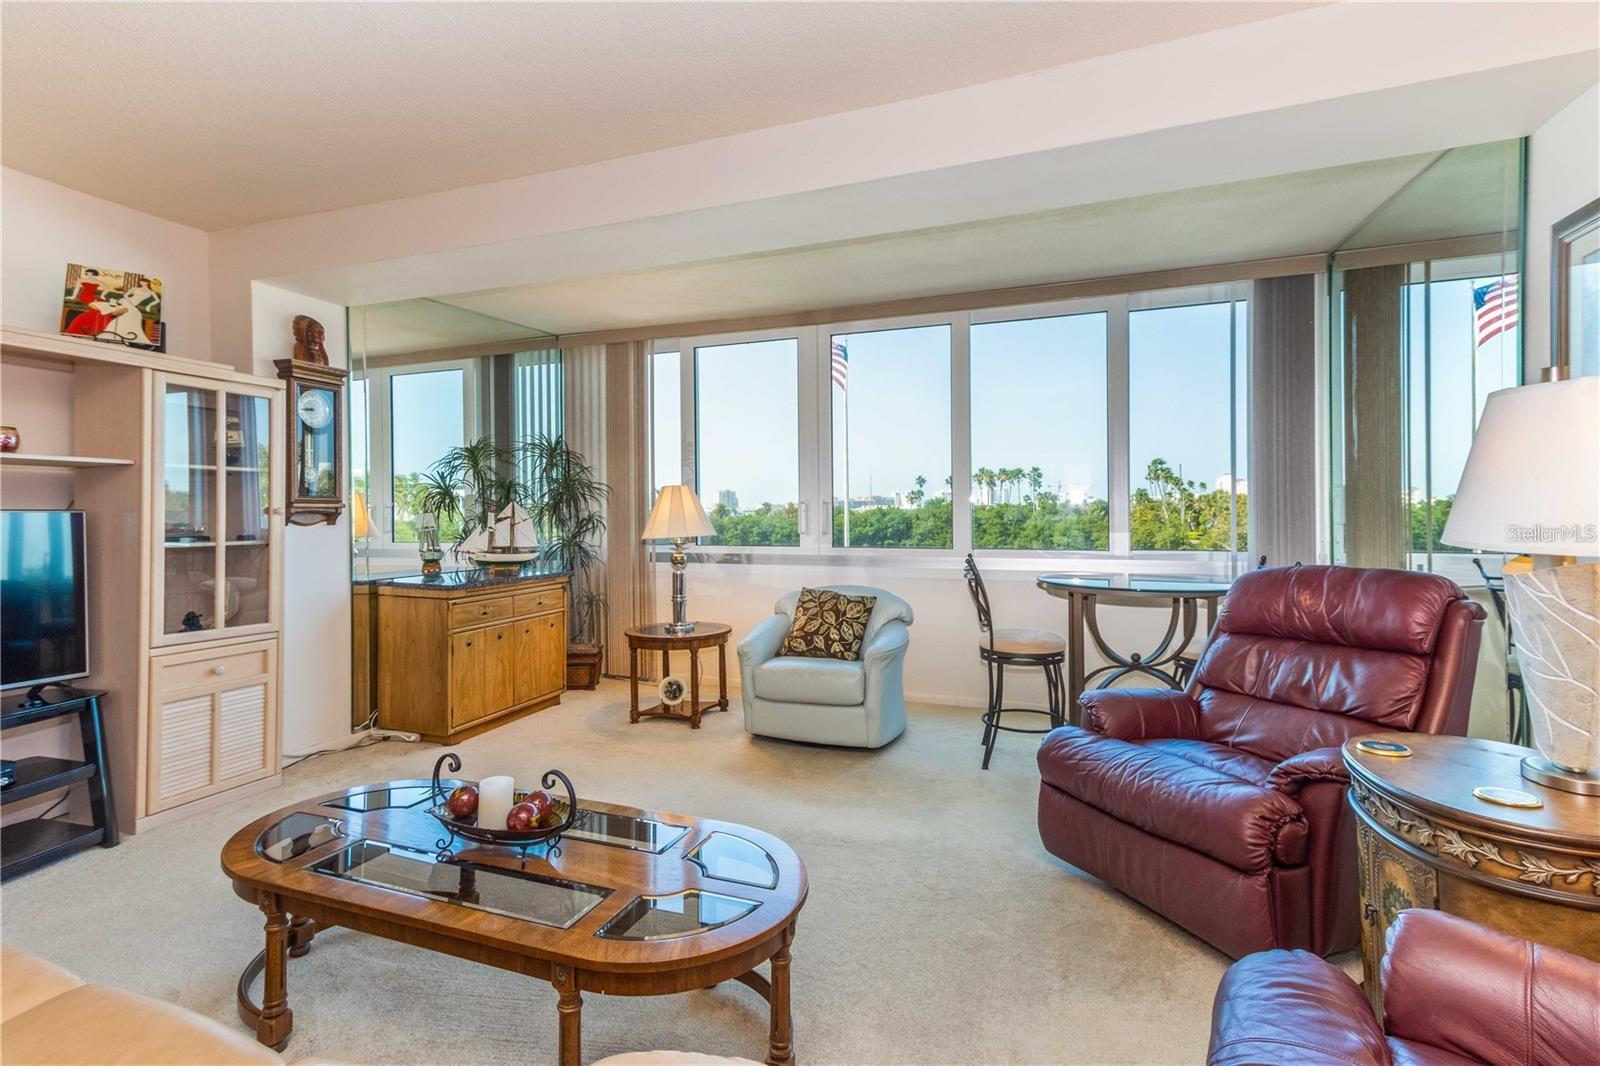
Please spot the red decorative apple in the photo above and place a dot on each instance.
(463, 802)
(523, 816)
(545, 804)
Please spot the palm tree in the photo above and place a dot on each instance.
(985, 479)
(1036, 483)
(1012, 476)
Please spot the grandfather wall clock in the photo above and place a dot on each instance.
(316, 431)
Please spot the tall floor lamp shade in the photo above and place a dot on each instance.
(1532, 485)
(678, 517)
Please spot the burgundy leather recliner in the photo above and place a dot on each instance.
(1223, 807)
(1453, 993)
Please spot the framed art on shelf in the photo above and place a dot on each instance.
(117, 307)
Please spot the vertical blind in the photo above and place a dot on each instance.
(538, 394)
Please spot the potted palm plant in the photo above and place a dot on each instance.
(566, 503)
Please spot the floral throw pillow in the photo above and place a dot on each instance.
(828, 625)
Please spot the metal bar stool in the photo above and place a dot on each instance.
(1014, 647)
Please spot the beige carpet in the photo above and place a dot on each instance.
(937, 930)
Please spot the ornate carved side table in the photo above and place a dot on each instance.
(1424, 840)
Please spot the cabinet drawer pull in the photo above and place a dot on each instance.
(469, 643)
(219, 670)
(499, 636)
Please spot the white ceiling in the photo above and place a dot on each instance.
(402, 327)
(1293, 214)
(223, 114)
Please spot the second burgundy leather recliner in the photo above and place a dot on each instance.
(1223, 807)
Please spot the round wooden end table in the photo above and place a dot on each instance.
(1424, 839)
(657, 637)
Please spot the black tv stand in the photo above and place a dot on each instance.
(35, 696)
(36, 842)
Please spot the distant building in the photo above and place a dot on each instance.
(1227, 483)
(729, 500)
(1073, 495)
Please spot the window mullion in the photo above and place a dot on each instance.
(688, 418)
(816, 443)
(961, 432)
(1118, 481)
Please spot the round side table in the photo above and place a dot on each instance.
(655, 637)
(1423, 839)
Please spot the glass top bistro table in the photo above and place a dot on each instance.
(629, 902)
(1085, 593)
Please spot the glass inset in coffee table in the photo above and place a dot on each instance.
(632, 903)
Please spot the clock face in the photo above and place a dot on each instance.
(315, 408)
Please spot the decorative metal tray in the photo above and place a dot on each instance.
(521, 839)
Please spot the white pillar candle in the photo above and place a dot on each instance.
(494, 801)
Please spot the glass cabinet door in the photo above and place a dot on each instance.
(218, 517)
(189, 493)
(247, 552)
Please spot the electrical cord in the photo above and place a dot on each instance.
(364, 742)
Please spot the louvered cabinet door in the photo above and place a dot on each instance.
(213, 722)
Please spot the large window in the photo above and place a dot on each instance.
(890, 393)
(747, 457)
(1104, 427)
(1460, 344)
(414, 413)
(1187, 478)
(426, 419)
(1039, 455)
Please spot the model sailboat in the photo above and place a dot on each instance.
(498, 545)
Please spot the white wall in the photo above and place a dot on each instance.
(316, 559)
(46, 226)
(942, 664)
(1563, 175)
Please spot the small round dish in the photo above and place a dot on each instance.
(1389, 749)
(1508, 797)
(521, 839)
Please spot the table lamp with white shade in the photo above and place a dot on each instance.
(678, 517)
(1532, 485)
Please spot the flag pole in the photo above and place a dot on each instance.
(844, 390)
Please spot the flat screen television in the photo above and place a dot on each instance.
(44, 629)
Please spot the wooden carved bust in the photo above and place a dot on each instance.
(308, 338)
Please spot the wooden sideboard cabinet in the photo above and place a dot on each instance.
(460, 653)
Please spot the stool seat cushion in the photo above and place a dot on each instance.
(1019, 641)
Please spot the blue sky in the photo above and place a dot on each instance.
(428, 411)
(1038, 399)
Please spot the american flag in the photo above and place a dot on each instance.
(1494, 308)
(841, 363)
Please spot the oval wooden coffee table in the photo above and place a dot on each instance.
(630, 903)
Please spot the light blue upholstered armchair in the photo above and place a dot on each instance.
(827, 701)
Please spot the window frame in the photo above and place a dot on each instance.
(380, 442)
(814, 421)
(806, 418)
(823, 341)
